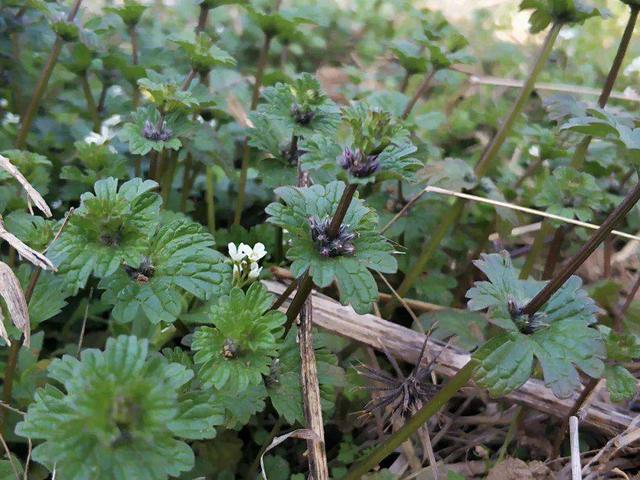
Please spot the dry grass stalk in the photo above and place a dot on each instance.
(32, 193)
(11, 292)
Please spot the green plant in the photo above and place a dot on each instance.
(188, 158)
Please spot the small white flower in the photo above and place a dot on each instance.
(258, 252)
(245, 250)
(96, 138)
(112, 121)
(117, 91)
(255, 270)
(534, 151)
(10, 119)
(236, 271)
(4, 103)
(236, 253)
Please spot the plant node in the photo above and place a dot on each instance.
(358, 164)
(156, 132)
(230, 349)
(340, 245)
(143, 273)
(302, 116)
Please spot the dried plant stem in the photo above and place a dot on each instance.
(91, 103)
(424, 86)
(413, 424)
(255, 465)
(318, 468)
(484, 164)
(242, 184)
(43, 80)
(587, 249)
(576, 466)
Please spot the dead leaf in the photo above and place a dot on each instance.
(516, 469)
(11, 292)
(32, 194)
(238, 112)
(25, 251)
(302, 434)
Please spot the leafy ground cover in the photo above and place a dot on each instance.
(159, 163)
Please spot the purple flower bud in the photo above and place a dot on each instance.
(302, 116)
(358, 164)
(151, 132)
(340, 245)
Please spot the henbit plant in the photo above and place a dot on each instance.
(118, 407)
(557, 13)
(186, 366)
(537, 316)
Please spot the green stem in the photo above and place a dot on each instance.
(186, 185)
(210, 193)
(536, 250)
(484, 164)
(296, 305)
(41, 85)
(91, 103)
(167, 177)
(38, 92)
(428, 249)
(488, 156)
(385, 449)
(419, 93)
(513, 428)
(242, 183)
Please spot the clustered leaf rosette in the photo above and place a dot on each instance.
(297, 109)
(374, 147)
(559, 336)
(122, 413)
(203, 54)
(130, 12)
(281, 23)
(570, 193)
(306, 214)
(237, 350)
(149, 130)
(180, 260)
(111, 225)
(437, 45)
(546, 12)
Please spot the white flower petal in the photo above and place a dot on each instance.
(258, 252)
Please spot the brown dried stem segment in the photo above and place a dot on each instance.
(311, 395)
